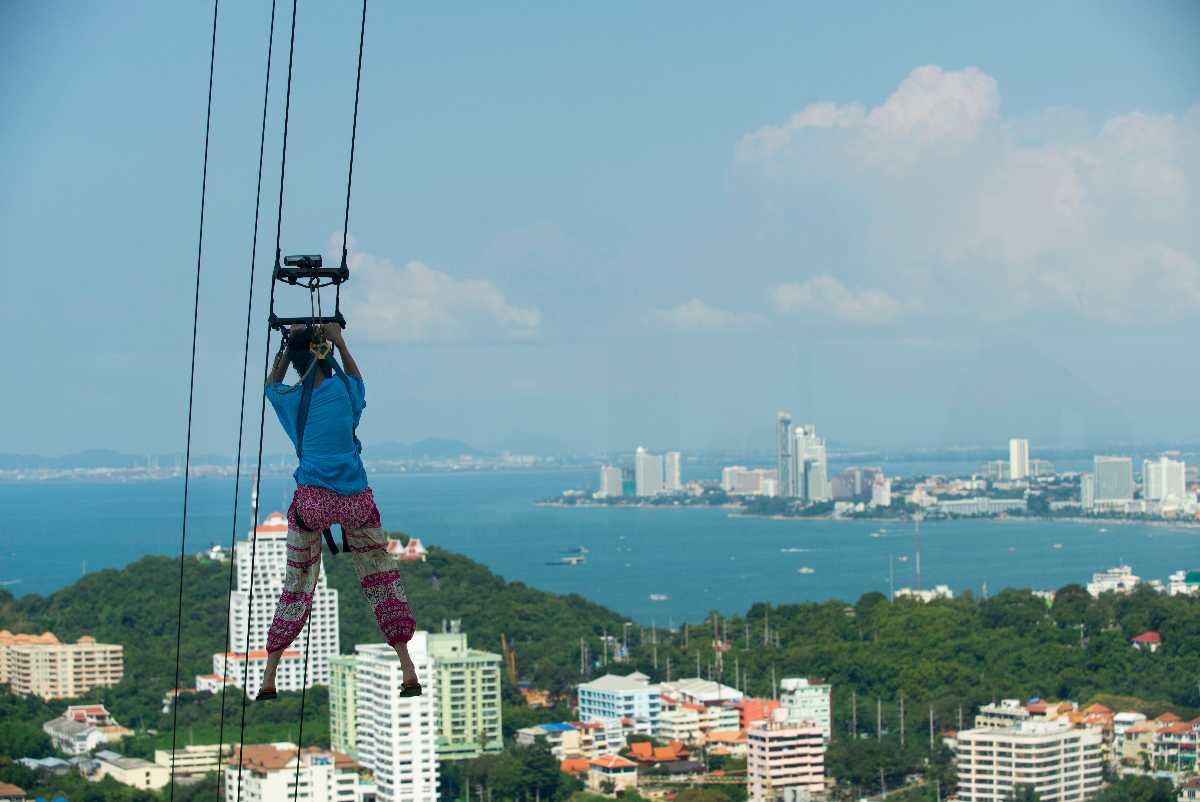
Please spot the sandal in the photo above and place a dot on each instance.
(265, 696)
(410, 689)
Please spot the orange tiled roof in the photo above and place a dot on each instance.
(1177, 728)
(1150, 636)
(612, 762)
(1098, 708)
(642, 750)
(574, 765)
(1168, 716)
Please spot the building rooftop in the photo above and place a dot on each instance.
(615, 682)
(273, 757)
(1148, 637)
(612, 762)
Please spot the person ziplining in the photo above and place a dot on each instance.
(320, 416)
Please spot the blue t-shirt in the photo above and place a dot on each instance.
(331, 458)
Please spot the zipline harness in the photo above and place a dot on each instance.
(306, 271)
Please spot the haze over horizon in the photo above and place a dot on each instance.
(914, 228)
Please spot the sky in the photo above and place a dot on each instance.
(616, 224)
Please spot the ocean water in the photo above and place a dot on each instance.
(701, 559)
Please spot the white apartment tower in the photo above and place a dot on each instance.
(784, 441)
(1018, 458)
(397, 736)
(672, 472)
(1113, 479)
(809, 471)
(1060, 762)
(648, 473)
(1164, 478)
(270, 562)
(783, 756)
(610, 482)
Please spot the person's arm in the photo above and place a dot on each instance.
(333, 332)
(279, 369)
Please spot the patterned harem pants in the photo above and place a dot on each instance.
(318, 508)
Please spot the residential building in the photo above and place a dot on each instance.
(648, 474)
(998, 470)
(613, 770)
(808, 701)
(266, 550)
(468, 697)
(11, 793)
(83, 728)
(39, 665)
(881, 491)
(1149, 641)
(397, 736)
(1164, 479)
(810, 473)
(1060, 762)
(783, 426)
(269, 773)
(194, 759)
(673, 472)
(1184, 583)
(782, 756)
(1018, 459)
(1114, 480)
(342, 709)
(572, 740)
(738, 480)
(132, 771)
(1087, 491)
(613, 696)
(1040, 467)
(1002, 714)
(411, 551)
(754, 711)
(611, 483)
(1119, 579)
(238, 668)
(936, 592)
(982, 506)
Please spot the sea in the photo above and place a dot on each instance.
(691, 561)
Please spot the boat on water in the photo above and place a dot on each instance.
(573, 559)
(659, 597)
(902, 558)
(804, 569)
(1058, 545)
(792, 551)
(576, 550)
(1102, 529)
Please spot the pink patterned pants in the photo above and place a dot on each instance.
(318, 508)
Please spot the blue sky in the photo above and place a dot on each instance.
(630, 223)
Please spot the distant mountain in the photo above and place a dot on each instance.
(429, 448)
(537, 444)
(91, 458)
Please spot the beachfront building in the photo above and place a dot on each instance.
(981, 505)
(611, 482)
(783, 466)
(1018, 459)
(673, 472)
(269, 774)
(397, 736)
(881, 491)
(1164, 479)
(808, 701)
(468, 697)
(648, 476)
(249, 622)
(1059, 761)
(39, 665)
(937, 592)
(809, 470)
(1113, 482)
(614, 696)
(782, 756)
(1184, 583)
(738, 480)
(1119, 579)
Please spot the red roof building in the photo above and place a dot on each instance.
(1147, 641)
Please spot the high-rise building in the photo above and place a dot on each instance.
(397, 736)
(39, 665)
(810, 474)
(1057, 760)
(1018, 458)
(1114, 479)
(1087, 491)
(738, 480)
(782, 756)
(672, 472)
(468, 682)
(881, 491)
(342, 709)
(648, 473)
(1164, 478)
(808, 701)
(268, 773)
(784, 447)
(610, 482)
(269, 557)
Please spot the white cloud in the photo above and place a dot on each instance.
(964, 213)
(697, 316)
(416, 303)
(827, 298)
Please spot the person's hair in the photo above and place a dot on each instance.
(299, 355)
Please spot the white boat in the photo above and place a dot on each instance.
(1102, 529)
(1058, 545)
(659, 597)
(804, 569)
(903, 558)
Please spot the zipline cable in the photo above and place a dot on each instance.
(187, 454)
(362, 35)
(262, 140)
(262, 410)
(303, 694)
